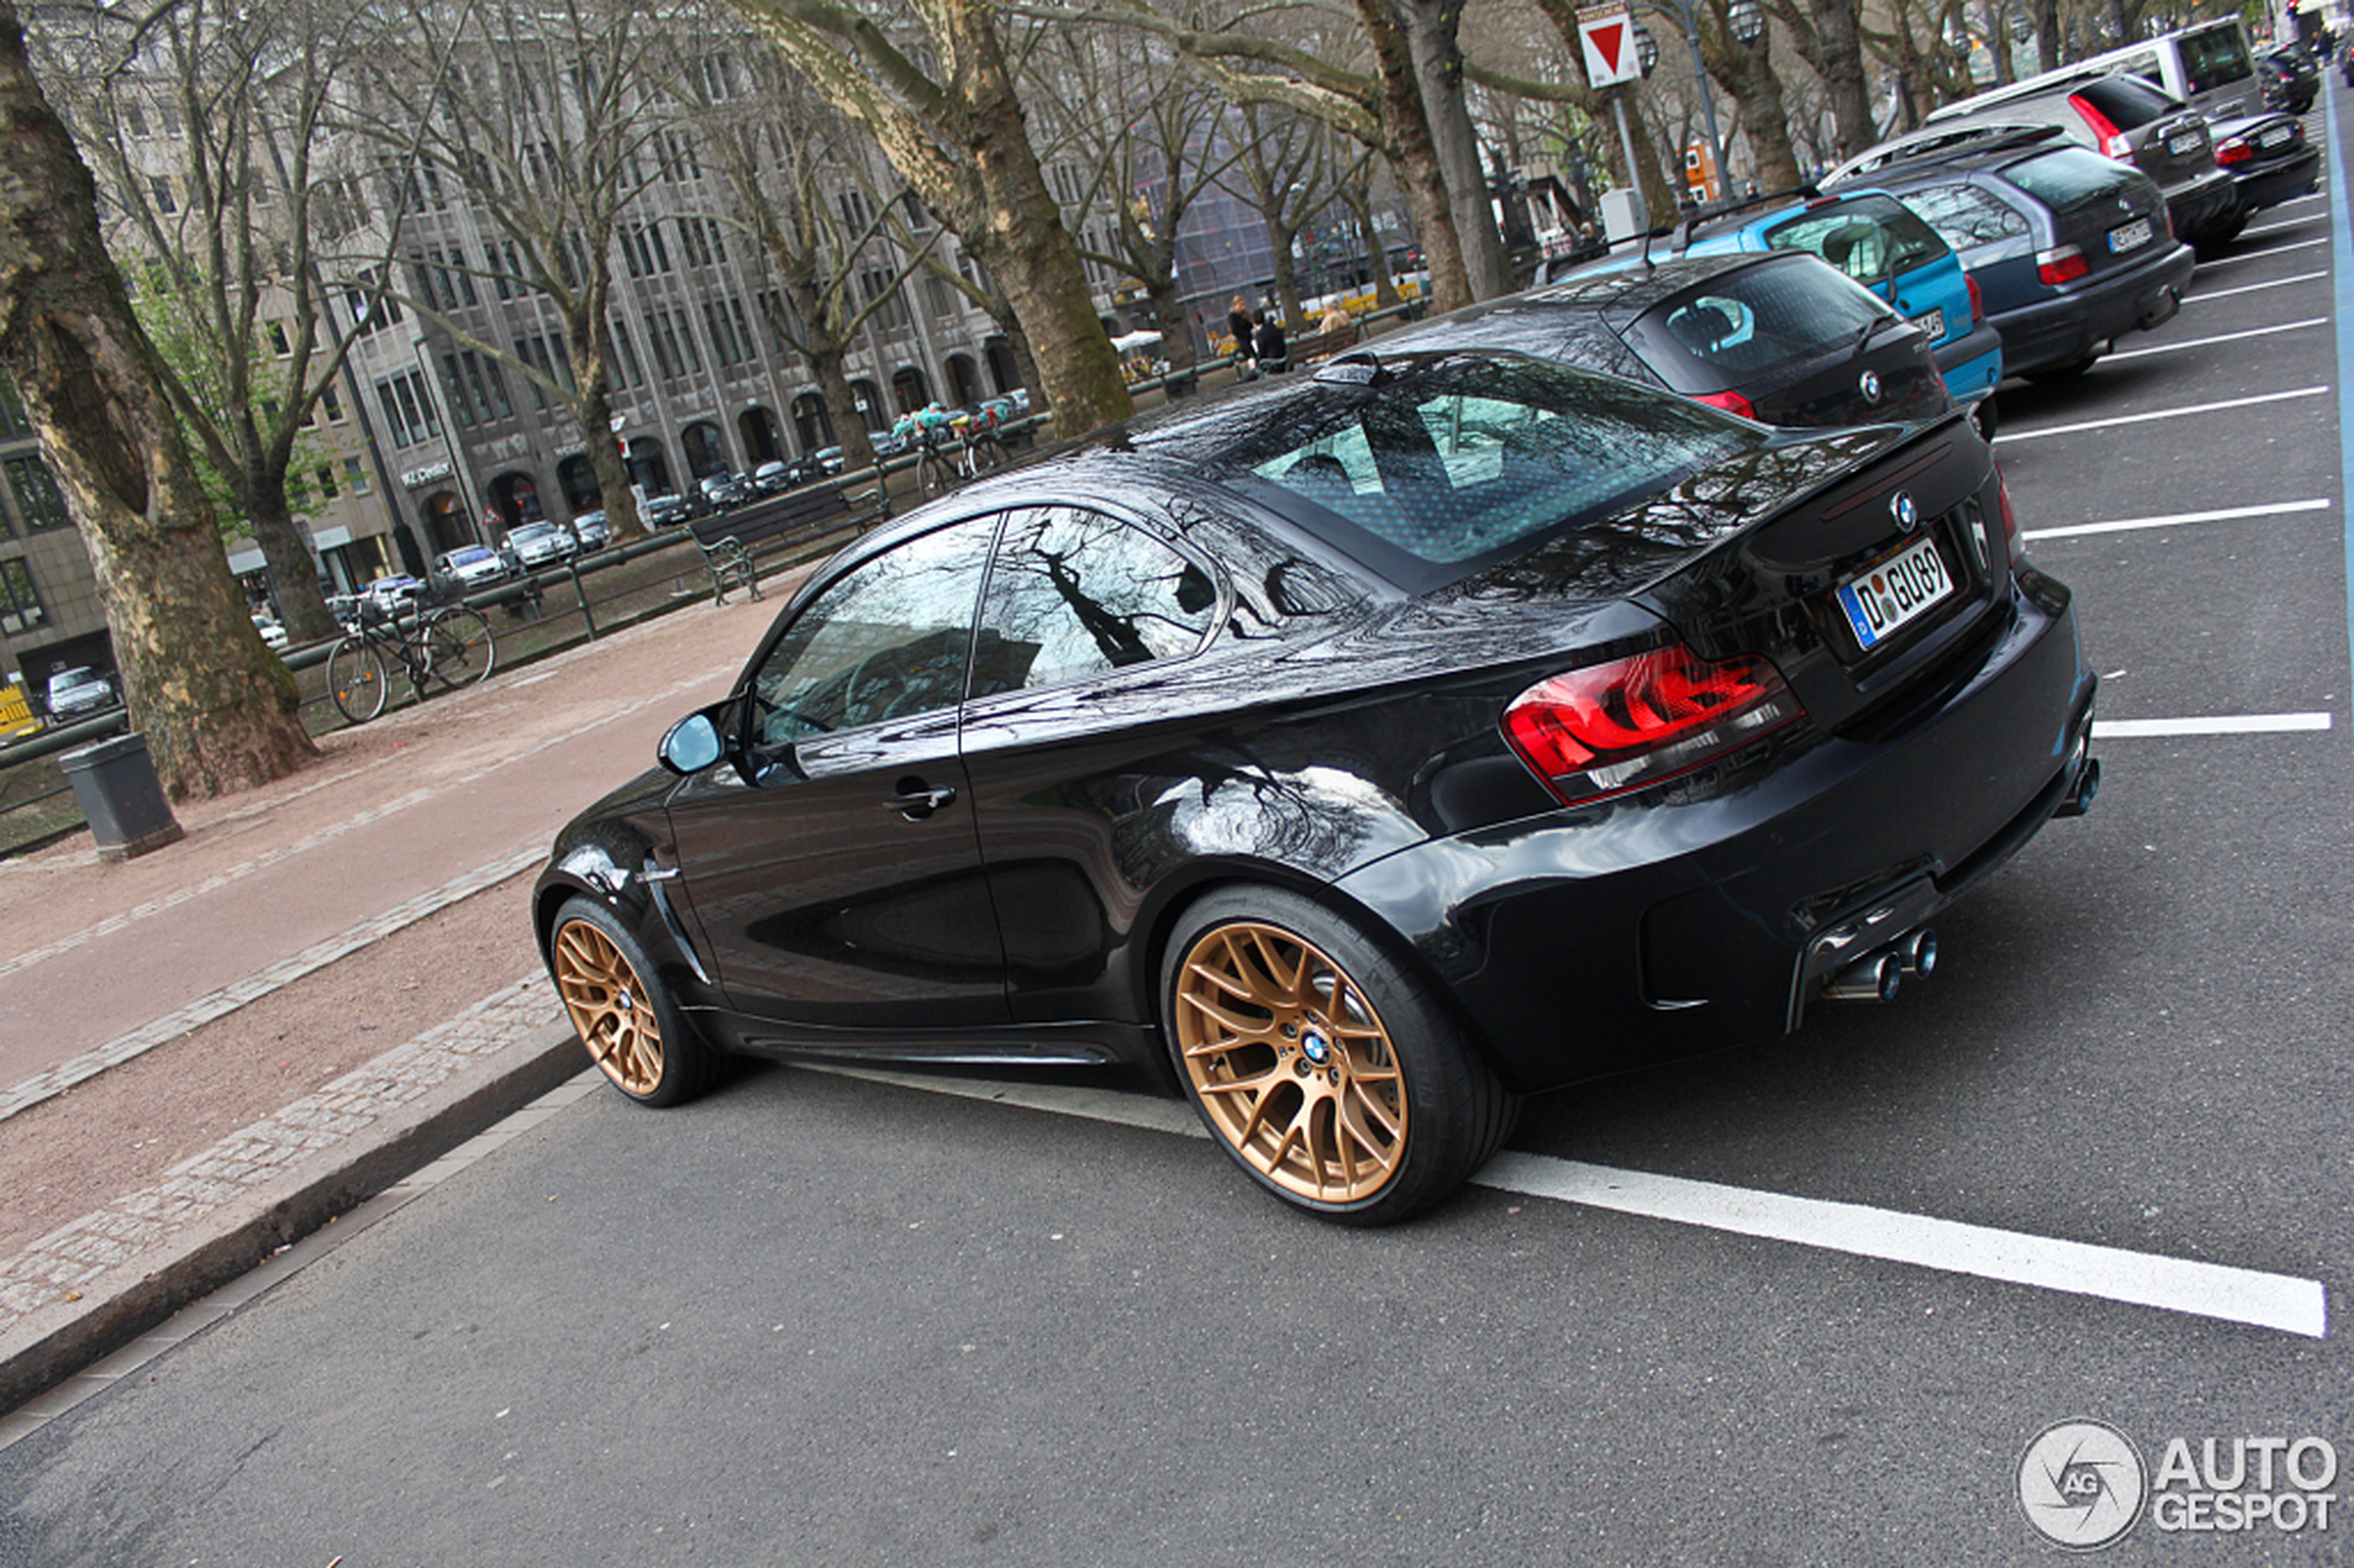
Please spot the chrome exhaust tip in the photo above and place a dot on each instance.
(1917, 954)
(2087, 783)
(1873, 978)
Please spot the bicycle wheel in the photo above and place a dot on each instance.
(988, 452)
(458, 646)
(931, 472)
(356, 679)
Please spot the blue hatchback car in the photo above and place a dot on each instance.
(1883, 245)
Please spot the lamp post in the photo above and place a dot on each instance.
(1746, 19)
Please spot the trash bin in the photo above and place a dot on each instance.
(115, 784)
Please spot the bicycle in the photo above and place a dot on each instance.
(971, 448)
(453, 646)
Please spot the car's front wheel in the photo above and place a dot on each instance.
(1339, 1079)
(633, 1030)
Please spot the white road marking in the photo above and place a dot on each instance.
(2141, 1279)
(2226, 514)
(2219, 724)
(2293, 223)
(2251, 288)
(2190, 412)
(2260, 255)
(2223, 337)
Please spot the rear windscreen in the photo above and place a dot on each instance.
(2128, 102)
(1869, 238)
(1464, 459)
(2214, 57)
(1734, 329)
(2069, 178)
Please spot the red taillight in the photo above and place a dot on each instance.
(1977, 300)
(1616, 726)
(2064, 265)
(2106, 136)
(2234, 149)
(1732, 402)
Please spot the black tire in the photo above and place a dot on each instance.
(356, 679)
(625, 1017)
(933, 476)
(1332, 1072)
(458, 643)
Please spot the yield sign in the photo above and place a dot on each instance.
(1608, 33)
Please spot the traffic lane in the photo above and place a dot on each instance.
(888, 1326)
(2129, 1040)
(2246, 615)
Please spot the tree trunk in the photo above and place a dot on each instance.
(1430, 28)
(1839, 60)
(592, 411)
(1747, 73)
(1376, 251)
(217, 708)
(293, 569)
(1176, 333)
(1414, 160)
(825, 362)
(1029, 253)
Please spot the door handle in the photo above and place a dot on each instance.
(915, 803)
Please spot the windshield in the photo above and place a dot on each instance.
(1465, 459)
(2214, 57)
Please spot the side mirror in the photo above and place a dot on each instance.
(692, 745)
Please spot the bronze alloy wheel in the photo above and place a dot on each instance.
(609, 1005)
(1290, 1062)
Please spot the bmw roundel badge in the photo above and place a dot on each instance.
(1907, 515)
(1869, 386)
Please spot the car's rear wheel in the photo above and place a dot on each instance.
(633, 1028)
(1337, 1077)
(356, 680)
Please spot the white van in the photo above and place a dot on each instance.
(2209, 67)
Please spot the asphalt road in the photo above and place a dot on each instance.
(815, 1319)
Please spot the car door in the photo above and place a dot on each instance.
(1078, 728)
(834, 869)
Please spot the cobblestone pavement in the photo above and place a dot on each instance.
(399, 826)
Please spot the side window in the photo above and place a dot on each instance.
(1965, 215)
(888, 641)
(1076, 593)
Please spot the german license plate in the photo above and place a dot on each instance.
(1934, 323)
(2187, 143)
(1883, 600)
(2274, 137)
(2130, 236)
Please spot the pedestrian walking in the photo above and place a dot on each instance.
(1238, 323)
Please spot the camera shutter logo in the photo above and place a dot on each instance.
(2082, 1484)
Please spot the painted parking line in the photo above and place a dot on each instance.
(2205, 294)
(2214, 724)
(2190, 412)
(2176, 519)
(2220, 338)
(2259, 255)
(2141, 1279)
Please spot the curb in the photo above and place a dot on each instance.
(56, 1341)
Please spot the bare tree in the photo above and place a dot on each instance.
(938, 96)
(217, 708)
(550, 120)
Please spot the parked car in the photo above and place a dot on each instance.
(1353, 754)
(1876, 240)
(395, 595)
(531, 545)
(592, 530)
(2207, 66)
(2070, 250)
(1781, 337)
(772, 478)
(2127, 119)
(471, 567)
(80, 692)
(2289, 78)
(665, 509)
(722, 492)
(273, 634)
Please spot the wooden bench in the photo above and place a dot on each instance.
(731, 543)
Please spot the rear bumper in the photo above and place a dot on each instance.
(2066, 330)
(2203, 209)
(1593, 942)
(2279, 181)
(1973, 363)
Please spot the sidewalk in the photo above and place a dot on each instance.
(193, 1069)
